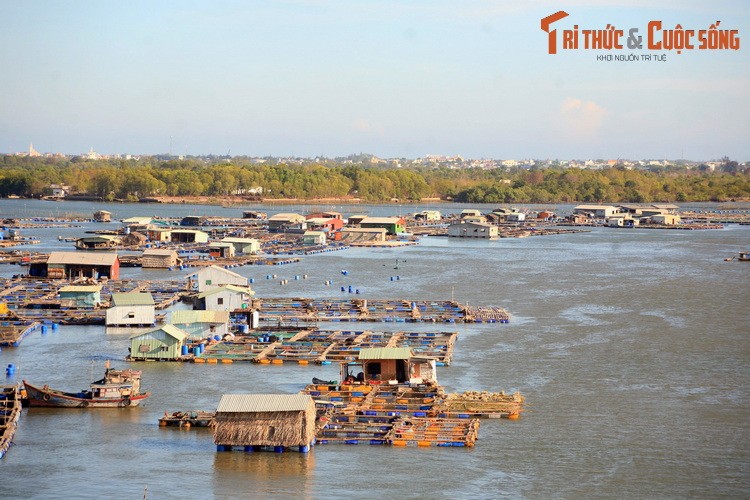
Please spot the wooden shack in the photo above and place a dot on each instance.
(467, 229)
(283, 221)
(158, 258)
(99, 242)
(256, 420)
(131, 309)
(102, 216)
(163, 343)
(390, 365)
(254, 214)
(72, 265)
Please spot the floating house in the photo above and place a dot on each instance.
(254, 214)
(225, 298)
(163, 343)
(131, 309)
(157, 258)
(314, 238)
(390, 365)
(215, 276)
(363, 234)
(516, 217)
(201, 324)
(666, 219)
(283, 221)
(470, 212)
(134, 239)
(392, 225)
(354, 220)
(72, 265)
(623, 221)
(102, 216)
(188, 236)
(466, 229)
(325, 215)
(193, 220)
(80, 296)
(428, 215)
(221, 249)
(243, 245)
(598, 211)
(99, 242)
(325, 224)
(277, 420)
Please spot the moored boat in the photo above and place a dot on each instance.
(187, 419)
(10, 411)
(118, 388)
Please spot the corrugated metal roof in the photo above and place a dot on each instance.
(230, 239)
(187, 317)
(254, 403)
(88, 258)
(132, 299)
(286, 216)
(170, 330)
(215, 267)
(382, 220)
(385, 353)
(137, 220)
(364, 230)
(159, 251)
(223, 288)
(81, 288)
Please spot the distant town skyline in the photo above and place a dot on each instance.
(329, 78)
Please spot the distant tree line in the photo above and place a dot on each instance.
(151, 177)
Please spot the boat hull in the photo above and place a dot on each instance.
(46, 397)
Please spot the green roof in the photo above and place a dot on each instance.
(132, 299)
(170, 330)
(184, 317)
(385, 353)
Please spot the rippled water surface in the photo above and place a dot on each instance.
(631, 347)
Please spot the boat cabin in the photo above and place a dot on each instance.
(392, 365)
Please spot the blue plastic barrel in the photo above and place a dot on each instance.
(184, 350)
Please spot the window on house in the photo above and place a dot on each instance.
(208, 282)
(220, 301)
(131, 315)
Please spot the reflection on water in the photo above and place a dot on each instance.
(263, 473)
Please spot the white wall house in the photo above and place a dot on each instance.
(215, 276)
(131, 309)
(225, 298)
(464, 229)
(201, 324)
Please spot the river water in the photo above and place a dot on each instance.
(630, 346)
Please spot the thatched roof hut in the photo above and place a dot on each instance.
(265, 420)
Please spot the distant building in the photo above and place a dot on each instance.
(393, 225)
(466, 229)
(363, 234)
(157, 258)
(314, 238)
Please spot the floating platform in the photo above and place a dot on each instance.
(10, 412)
(187, 419)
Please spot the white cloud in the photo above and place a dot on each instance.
(579, 119)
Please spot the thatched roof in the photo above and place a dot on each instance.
(265, 420)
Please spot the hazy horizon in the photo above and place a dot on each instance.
(329, 78)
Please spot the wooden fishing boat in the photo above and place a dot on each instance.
(10, 411)
(118, 388)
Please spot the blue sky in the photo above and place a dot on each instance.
(392, 78)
